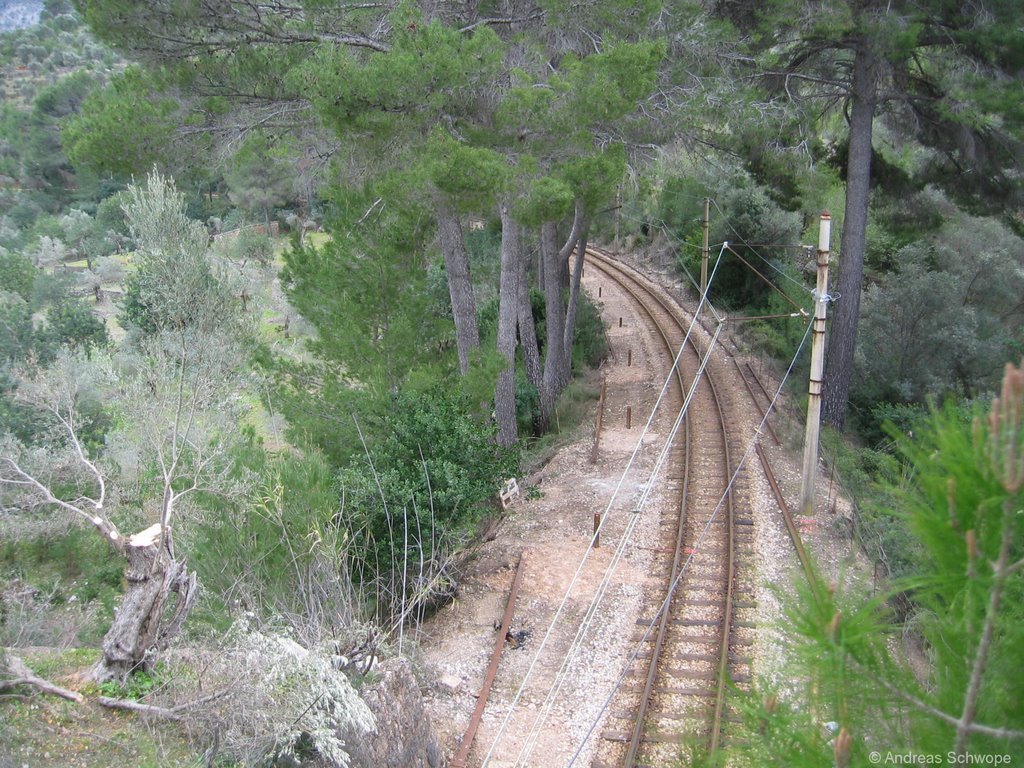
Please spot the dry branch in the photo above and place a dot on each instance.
(22, 675)
(165, 713)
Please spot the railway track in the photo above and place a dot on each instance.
(686, 660)
(693, 652)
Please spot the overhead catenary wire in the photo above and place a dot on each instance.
(629, 465)
(768, 282)
(561, 676)
(589, 618)
(620, 550)
(676, 242)
(753, 248)
(696, 548)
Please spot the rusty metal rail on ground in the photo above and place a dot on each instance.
(459, 761)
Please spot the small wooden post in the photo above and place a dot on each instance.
(629, 417)
(817, 369)
(597, 530)
(599, 291)
(629, 357)
(620, 322)
(599, 418)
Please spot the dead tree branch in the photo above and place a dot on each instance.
(22, 675)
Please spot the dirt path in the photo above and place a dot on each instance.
(562, 576)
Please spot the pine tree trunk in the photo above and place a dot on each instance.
(460, 286)
(563, 262)
(528, 328)
(555, 363)
(846, 311)
(139, 629)
(540, 270)
(574, 295)
(508, 306)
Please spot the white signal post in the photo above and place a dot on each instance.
(817, 369)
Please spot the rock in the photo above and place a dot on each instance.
(450, 683)
(404, 736)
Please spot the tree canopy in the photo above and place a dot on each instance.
(918, 68)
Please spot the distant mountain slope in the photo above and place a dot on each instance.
(18, 14)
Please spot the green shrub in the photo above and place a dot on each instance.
(138, 686)
(73, 324)
(527, 405)
(17, 274)
(590, 343)
(424, 484)
(276, 551)
(864, 474)
(83, 563)
(70, 581)
(250, 245)
(743, 212)
(483, 246)
(945, 320)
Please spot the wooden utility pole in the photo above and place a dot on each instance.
(817, 369)
(705, 226)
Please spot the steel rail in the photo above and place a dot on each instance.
(753, 397)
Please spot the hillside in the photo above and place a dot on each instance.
(15, 14)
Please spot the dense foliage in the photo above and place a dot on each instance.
(279, 550)
(960, 499)
(417, 493)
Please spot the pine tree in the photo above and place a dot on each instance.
(944, 74)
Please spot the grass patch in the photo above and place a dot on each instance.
(59, 587)
(574, 414)
(53, 665)
(47, 732)
(317, 239)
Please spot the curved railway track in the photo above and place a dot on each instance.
(686, 659)
(692, 652)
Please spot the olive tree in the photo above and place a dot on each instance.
(172, 396)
